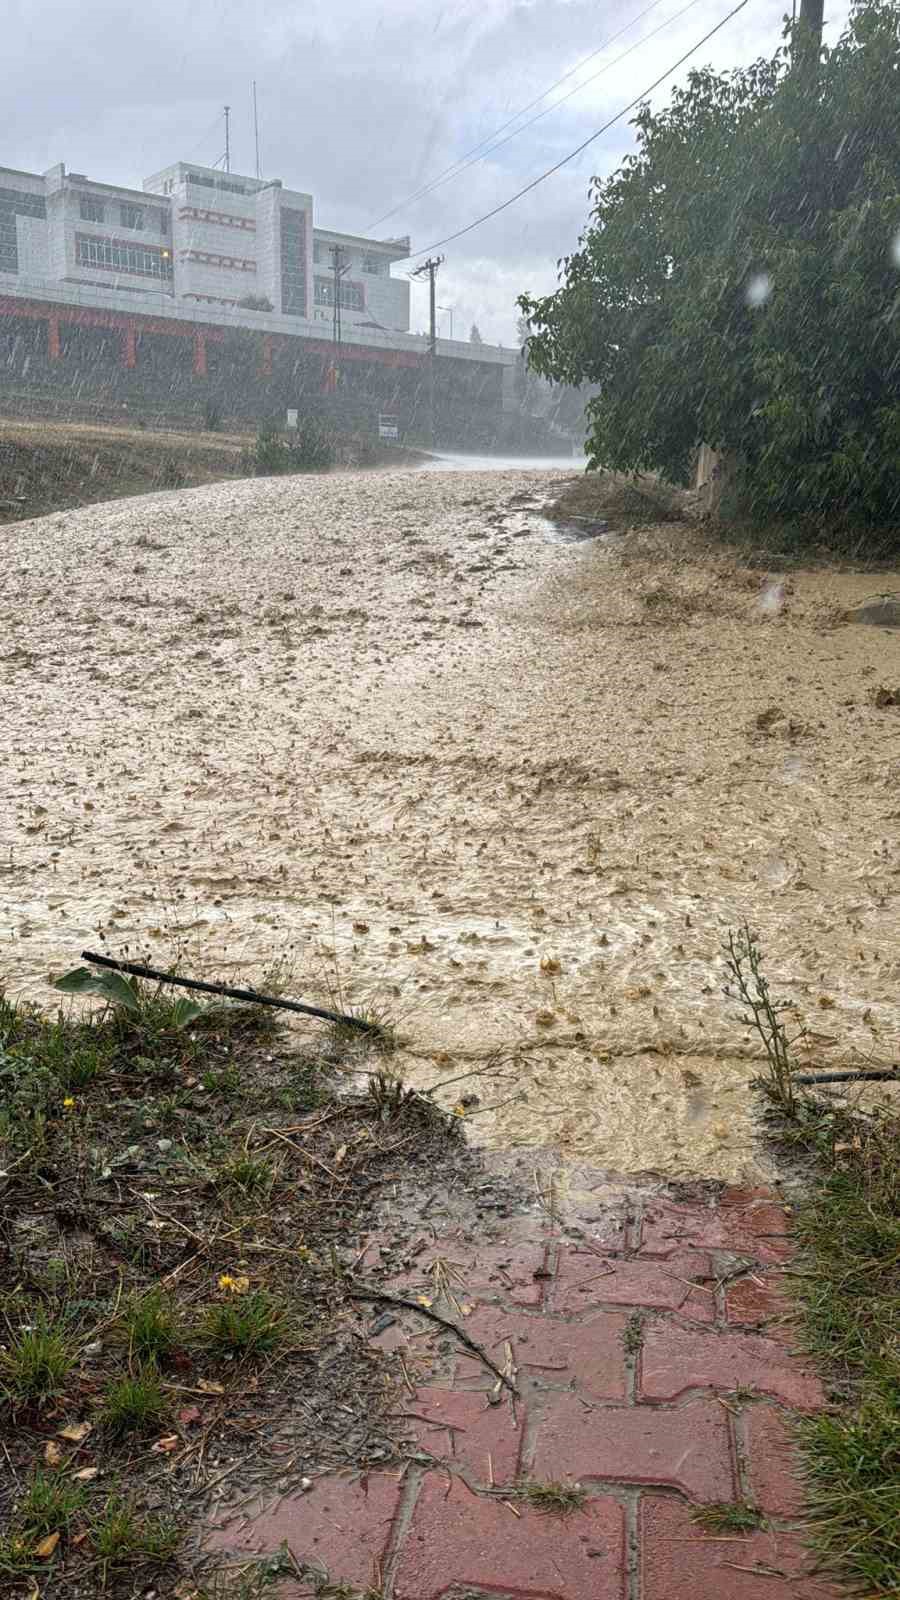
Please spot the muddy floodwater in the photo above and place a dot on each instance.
(394, 733)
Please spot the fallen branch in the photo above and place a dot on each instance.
(876, 1075)
(249, 996)
(382, 1298)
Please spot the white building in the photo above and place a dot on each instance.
(203, 237)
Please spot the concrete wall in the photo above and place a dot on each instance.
(34, 246)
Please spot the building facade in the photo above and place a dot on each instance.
(207, 288)
(201, 237)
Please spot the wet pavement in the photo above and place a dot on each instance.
(646, 1362)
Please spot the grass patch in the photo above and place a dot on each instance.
(250, 1326)
(551, 1499)
(123, 1534)
(186, 1193)
(134, 1404)
(51, 1502)
(849, 1292)
(150, 1327)
(251, 1175)
(36, 1363)
(728, 1516)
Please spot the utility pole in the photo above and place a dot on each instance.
(812, 16)
(227, 138)
(429, 269)
(338, 268)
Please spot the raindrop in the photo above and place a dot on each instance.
(895, 249)
(759, 289)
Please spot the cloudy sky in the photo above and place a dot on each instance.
(364, 103)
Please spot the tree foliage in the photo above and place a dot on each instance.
(739, 282)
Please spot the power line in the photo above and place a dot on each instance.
(505, 204)
(523, 110)
(578, 87)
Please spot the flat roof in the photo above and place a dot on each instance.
(18, 172)
(399, 248)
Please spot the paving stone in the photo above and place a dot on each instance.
(675, 1359)
(339, 1527)
(551, 1350)
(462, 1540)
(746, 1222)
(687, 1447)
(772, 1462)
(680, 1562)
(750, 1301)
(584, 1280)
(463, 1429)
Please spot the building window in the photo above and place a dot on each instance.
(116, 255)
(372, 263)
(91, 210)
(13, 203)
(352, 298)
(293, 262)
(317, 252)
(132, 216)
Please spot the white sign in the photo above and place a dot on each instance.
(388, 427)
(292, 419)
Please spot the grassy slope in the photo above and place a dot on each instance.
(177, 1196)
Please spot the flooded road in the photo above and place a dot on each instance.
(393, 732)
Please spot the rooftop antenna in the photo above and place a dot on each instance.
(227, 138)
(256, 127)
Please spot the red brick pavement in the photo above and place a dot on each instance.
(651, 1351)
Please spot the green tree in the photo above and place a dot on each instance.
(739, 283)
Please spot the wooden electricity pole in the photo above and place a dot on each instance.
(812, 16)
(429, 270)
(338, 267)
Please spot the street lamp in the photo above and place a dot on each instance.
(450, 309)
(165, 257)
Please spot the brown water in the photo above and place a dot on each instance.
(509, 789)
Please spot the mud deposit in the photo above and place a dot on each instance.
(510, 789)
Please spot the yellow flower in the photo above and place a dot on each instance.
(233, 1285)
(226, 1281)
(459, 1110)
(69, 1102)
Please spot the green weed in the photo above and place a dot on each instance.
(748, 985)
(727, 1516)
(150, 1327)
(122, 1534)
(252, 1175)
(50, 1504)
(249, 1326)
(552, 1498)
(134, 1404)
(35, 1364)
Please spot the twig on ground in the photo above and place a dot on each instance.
(381, 1297)
(249, 996)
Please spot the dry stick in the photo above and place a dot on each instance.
(251, 996)
(379, 1296)
(883, 1075)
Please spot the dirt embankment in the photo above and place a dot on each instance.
(58, 466)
